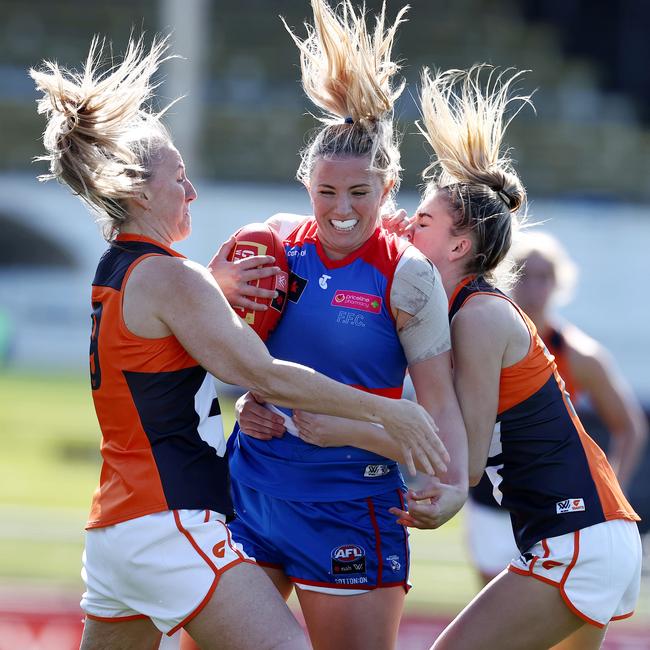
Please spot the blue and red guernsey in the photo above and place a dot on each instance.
(545, 469)
(338, 321)
(162, 437)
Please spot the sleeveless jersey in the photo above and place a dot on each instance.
(337, 320)
(556, 345)
(162, 437)
(544, 468)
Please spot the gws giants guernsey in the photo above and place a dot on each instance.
(545, 469)
(162, 438)
(338, 321)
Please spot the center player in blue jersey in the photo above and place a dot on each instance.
(362, 307)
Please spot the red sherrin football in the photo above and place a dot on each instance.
(261, 239)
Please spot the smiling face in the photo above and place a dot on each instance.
(169, 194)
(347, 198)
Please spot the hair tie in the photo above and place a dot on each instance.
(505, 197)
(348, 120)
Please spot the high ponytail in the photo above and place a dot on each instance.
(464, 120)
(347, 72)
(100, 134)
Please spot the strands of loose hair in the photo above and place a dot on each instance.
(100, 129)
(347, 70)
(464, 121)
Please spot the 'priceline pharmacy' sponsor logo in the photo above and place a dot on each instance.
(355, 300)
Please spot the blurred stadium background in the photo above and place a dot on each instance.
(584, 156)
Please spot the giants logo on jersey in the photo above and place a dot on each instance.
(569, 505)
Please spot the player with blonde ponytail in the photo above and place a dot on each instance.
(580, 550)
(159, 555)
(363, 306)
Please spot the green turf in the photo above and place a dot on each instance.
(49, 467)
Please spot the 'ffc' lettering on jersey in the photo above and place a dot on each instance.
(162, 437)
(545, 469)
(338, 321)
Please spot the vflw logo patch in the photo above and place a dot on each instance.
(374, 471)
(569, 505)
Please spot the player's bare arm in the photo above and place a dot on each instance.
(184, 298)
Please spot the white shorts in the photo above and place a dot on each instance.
(489, 536)
(597, 569)
(164, 566)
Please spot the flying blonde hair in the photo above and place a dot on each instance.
(348, 73)
(101, 135)
(464, 121)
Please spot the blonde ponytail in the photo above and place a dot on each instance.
(348, 73)
(100, 134)
(464, 121)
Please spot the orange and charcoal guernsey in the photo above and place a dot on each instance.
(162, 437)
(544, 468)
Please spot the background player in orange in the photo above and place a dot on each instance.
(545, 281)
(158, 553)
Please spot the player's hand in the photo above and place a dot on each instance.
(432, 506)
(396, 223)
(322, 430)
(234, 277)
(415, 431)
(256, 420)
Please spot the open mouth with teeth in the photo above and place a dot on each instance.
(344, 226)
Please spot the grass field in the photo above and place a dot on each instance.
(49, 467)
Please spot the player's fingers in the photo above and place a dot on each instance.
(254, 261)
(257, 273)
(407, 456)
(224, 250)
(247, 303)
(251, 292)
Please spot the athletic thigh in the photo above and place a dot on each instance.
(513, 612)
(140, 634)
(246, 611)
(367, 621)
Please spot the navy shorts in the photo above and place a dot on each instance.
(340, 547)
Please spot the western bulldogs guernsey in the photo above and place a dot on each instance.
(162, 437)
(544, 468)
(338, 321)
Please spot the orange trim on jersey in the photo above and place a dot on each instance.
(612, 500)
(149, 240)
(620, 617)
(524, 378)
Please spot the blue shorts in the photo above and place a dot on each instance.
(340, 547)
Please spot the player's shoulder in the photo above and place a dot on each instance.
(166, 274)
(586, 354)
(284, 223)
(487, 317)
